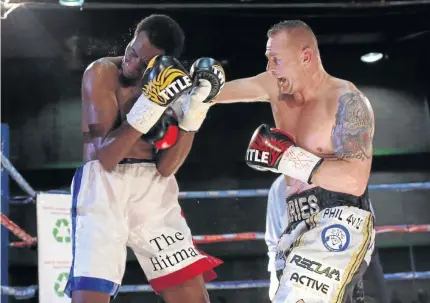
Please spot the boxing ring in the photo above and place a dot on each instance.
(56, 284)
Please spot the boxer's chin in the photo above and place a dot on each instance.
(127, 79)
(128, 75)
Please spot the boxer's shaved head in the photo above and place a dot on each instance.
(293, 54)
(300, 34)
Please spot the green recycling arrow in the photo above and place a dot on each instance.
(57, 285)
(61, 224)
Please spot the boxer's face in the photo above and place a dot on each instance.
(284, 62)
(137, 55)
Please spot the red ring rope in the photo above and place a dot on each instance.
(17, 231)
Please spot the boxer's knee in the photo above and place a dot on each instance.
(191, 291)
(86, 296)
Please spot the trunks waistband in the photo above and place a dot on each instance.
(301, 206)
(135, 161)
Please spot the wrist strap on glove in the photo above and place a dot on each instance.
(299, 164)
(196, 112)
(144, 114)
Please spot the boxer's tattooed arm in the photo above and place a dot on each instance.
(353, 130)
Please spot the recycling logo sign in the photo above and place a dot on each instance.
(61, 280)
(61, 231)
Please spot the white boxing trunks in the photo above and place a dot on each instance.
(133, 205)
(325, 250)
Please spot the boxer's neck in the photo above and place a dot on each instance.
(312, 84)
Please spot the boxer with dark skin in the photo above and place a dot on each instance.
(110, 88)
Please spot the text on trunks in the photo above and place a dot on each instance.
(164, 260)
(302, 208)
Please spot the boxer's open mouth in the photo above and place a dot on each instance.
(281, 81)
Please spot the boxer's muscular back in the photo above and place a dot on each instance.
(105, 103)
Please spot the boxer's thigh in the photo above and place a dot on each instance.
(325, 262)
(162, 240)
(99, 235)
(191, 291)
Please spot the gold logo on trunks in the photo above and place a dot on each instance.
(169, 83)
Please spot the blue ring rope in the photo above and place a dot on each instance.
(29, 292)
(242, 193)
(197, 194)
(17, 176)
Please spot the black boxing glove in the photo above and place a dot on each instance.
(164, 81)
(209, 79)
(271, 149)
(164, 133)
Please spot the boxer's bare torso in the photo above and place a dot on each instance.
(117, 98)
(310, 122)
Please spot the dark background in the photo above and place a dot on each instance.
(44, 52)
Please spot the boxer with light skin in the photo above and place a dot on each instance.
(323, 145)
(319, 110)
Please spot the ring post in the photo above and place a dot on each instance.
(5, 210)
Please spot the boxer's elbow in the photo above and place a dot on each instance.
(107, 165)
(357, 188)
(107, 162)
(165, 170)
(357, 183)
(165, 166)
(166, 173)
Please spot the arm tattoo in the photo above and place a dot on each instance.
(352, 133)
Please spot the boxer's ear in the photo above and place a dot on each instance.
(307, 55)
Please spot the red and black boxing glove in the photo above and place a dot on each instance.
(271, 149)
(164, 133)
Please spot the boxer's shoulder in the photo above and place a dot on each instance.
(101, 72)
(352, 96)
(340, 91)
(103, 67)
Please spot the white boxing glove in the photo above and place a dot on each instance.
(195, 109)
(164, 81)
(210, 77)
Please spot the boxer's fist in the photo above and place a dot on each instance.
(164, 81)
(208, 78)
(210, 72)
(266, 148)
(273, 150)
(164, 133)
